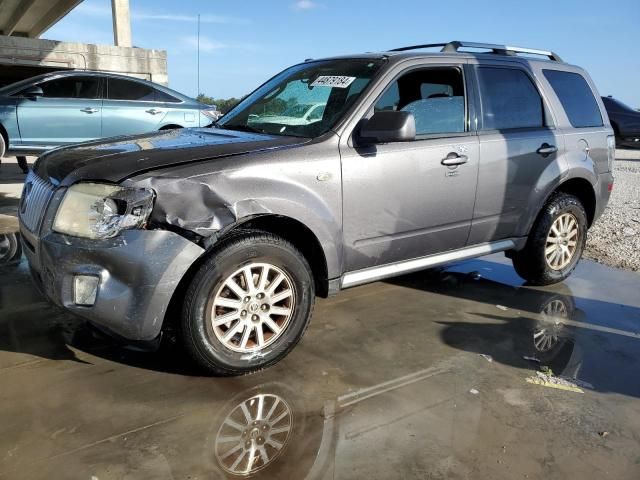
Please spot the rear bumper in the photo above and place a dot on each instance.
(138, 273)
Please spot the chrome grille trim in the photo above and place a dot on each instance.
(35, 198)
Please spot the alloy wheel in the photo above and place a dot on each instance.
(562, 241)
(253, 307)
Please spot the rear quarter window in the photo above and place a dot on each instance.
(576, 98)
(165, 97)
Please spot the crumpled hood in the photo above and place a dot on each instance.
(118, 158)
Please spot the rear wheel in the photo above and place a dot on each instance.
(248, 305)
(555, 243)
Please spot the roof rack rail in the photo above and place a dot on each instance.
(455, 45)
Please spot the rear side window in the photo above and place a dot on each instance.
(509, 99)
(576, 98)
(125, 90)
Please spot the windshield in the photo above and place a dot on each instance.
(23, 83)
(306, 100)
(619, 104)
(296, 110)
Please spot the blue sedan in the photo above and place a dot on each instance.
(60, 108)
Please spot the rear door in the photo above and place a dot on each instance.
(518, 147)
(69, 112)
(130, 107)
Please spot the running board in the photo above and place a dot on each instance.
(373, 274)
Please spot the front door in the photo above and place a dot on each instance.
(70, 111)
(399, 200)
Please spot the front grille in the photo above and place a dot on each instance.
(35, 198)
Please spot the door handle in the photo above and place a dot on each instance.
(453, 159)
(545, 149)
(153, 111)
(90, 110)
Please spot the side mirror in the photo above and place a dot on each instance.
(32, 92)
(389, 126)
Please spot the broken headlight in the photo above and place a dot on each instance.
(98, 210)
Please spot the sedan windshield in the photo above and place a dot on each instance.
(306, 100)
(621, 106)
(23, 83)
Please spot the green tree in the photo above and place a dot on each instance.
(223, 104)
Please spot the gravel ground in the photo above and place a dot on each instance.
(615, 238)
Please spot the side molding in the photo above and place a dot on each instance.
(366, 275)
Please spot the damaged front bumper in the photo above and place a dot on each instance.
(137, 274)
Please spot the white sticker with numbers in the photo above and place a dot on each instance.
(333, 81)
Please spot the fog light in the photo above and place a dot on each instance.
(85, 289)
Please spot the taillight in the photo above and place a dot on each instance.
(611, 151)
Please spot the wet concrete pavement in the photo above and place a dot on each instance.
(387, 383)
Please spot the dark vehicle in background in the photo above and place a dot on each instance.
(60, 108)
(227, 234)
(625, 122)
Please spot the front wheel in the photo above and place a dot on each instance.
(248, 305)
(555, 243)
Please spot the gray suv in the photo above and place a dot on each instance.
(410, 160)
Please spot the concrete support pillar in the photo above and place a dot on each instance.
(121, 23)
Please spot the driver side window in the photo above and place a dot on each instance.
(71, 87)
(435, 96)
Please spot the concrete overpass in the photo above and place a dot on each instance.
(29, 18)
(24, 54)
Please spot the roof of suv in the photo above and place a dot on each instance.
(471, 49)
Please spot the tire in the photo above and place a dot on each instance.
(10, 249)
(531, 263)
(260, 337)
(3, 147)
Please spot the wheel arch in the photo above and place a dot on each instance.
(301, 236)
(580, 187)
(584, 191)
(170, 126)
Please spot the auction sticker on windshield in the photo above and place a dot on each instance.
(333, 81)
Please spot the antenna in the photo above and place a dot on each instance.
(198, 67)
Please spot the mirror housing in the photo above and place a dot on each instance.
(388, 127)
(32, 92)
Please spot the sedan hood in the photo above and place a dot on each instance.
(118, 158)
